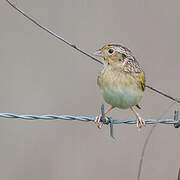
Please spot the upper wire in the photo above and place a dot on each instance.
(96, 60)
(75, 47)
(51, 32)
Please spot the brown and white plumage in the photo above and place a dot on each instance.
(122, 80)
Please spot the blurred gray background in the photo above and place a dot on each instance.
(41, 75)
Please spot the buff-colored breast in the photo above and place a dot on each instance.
(120, 89)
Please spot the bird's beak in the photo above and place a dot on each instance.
(98, 53)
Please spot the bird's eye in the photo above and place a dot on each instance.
(110, 51)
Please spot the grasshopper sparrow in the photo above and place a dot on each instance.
(122, 80)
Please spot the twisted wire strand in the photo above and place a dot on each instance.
(83, 118)
(104, 119)
(174, 121)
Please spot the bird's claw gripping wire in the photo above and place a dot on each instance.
(102, 119)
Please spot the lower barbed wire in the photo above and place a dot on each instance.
(83, 118)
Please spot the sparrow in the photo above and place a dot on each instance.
(121, 81)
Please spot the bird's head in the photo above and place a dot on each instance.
(114, 54)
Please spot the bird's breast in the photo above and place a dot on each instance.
(119, 89)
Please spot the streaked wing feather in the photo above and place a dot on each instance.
(142, 80)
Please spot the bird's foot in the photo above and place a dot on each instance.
(140, 122)
(98, 122)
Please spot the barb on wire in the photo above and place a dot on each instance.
(105, 120)
(84, 118)
(74, 46)
(176, 119)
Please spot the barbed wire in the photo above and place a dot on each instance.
(104, 119)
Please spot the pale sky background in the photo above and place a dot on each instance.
(41, 75)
